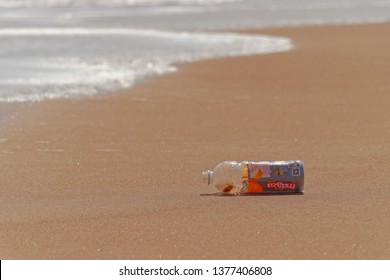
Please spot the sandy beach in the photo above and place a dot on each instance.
(118, 176)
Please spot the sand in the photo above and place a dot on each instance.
(118, 176)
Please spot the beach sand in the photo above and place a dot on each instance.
(118, 176)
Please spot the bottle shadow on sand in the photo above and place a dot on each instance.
(250, 194)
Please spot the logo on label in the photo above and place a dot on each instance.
(296, 172)
(281, 186)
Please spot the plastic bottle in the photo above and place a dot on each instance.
(233, 177)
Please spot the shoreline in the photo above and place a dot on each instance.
(117, 176)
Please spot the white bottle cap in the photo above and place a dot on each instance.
(207, 177)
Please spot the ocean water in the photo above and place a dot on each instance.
(70, 49)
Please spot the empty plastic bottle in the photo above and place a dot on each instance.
(233, 177)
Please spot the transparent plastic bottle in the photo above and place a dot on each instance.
(231, 177)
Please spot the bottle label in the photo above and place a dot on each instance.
(277, 176)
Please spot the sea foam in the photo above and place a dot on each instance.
(47, 63)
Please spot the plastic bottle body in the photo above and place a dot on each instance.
(233, 177)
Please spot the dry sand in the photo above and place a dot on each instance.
(118, 176)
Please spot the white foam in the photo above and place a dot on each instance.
(105, 3)
(30, 32)
(58, 76)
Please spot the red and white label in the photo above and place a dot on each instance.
(281, 186)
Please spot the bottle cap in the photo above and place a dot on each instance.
(207, 176)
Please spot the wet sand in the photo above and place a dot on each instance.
(118, 176)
